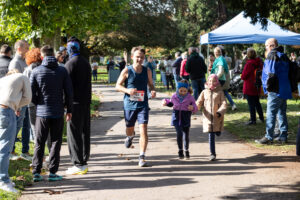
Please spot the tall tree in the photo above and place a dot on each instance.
(283, 12)
(149, 23)
(40, 19)
(196, 17)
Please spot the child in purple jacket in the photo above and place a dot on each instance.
(183, 104)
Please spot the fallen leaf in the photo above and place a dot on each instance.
(52, 192)
(132, 147)
(20, 178)
(121, 155)
(194, 118)
(127, 158)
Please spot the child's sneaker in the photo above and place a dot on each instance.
(180, 154)
(187, 154)
(37, 177)
(142, 161)
(54, 177)
(212, 157)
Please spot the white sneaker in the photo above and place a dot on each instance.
(13, 156)
(26, 156)
(79, 170)
(8, 187)
(234, 107)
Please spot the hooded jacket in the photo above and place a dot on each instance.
(181, 116)
(195, 66)
(49, 84)
(275, 74)
(212, 101)
(248, 76)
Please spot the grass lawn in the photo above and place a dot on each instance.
(19, 170)
(235, 124)
(235, 121)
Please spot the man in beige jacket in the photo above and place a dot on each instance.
(15, 93)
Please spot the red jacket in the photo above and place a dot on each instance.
(182, 68)
(248, 76)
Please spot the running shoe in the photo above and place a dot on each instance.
(8, 187)
(77, 170)
(54, 177)
(142, 161)
(128, 140)
(26, 156)
(37, 177)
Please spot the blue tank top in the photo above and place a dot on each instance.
(140, 82)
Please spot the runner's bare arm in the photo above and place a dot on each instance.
(150, 84)
(120, 82)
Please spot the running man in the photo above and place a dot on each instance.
(136, 108)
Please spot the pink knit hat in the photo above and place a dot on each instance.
(215, 83)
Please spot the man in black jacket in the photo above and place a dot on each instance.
(78, 129)
(196, 67)
(50, 85)
(5, 58)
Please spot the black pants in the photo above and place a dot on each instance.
(183, 137)
(254, 105)
(169, 81)
(78, 130)
(43, 127)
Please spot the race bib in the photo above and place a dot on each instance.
(138, 96)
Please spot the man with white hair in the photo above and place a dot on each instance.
(275, 82)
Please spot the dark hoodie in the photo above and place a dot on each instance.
(248, 76)
(195, 66)
(49, 83)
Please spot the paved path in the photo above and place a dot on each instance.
(241, 171)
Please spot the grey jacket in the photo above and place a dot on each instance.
(17, 63)
(4, 62)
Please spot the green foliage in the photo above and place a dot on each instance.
(283, 12)
(195, 17)
(41, 19)
(149, 23)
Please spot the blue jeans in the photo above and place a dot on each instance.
(8, 126)
(23, 122)
(212, 144)
(227, 95)
(163, 78)
(176, 79)
(183, 137)
(198, 86)
(276, 107)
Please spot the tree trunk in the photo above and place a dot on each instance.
(35, 23)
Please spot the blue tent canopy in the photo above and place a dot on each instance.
(239, 30)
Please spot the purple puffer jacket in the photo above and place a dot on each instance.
(181, 116)
(188, 100)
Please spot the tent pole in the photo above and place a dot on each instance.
(207, 50)
(284, 48)
(200, 48)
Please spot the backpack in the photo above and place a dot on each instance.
(294, 75)
(257, 77)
